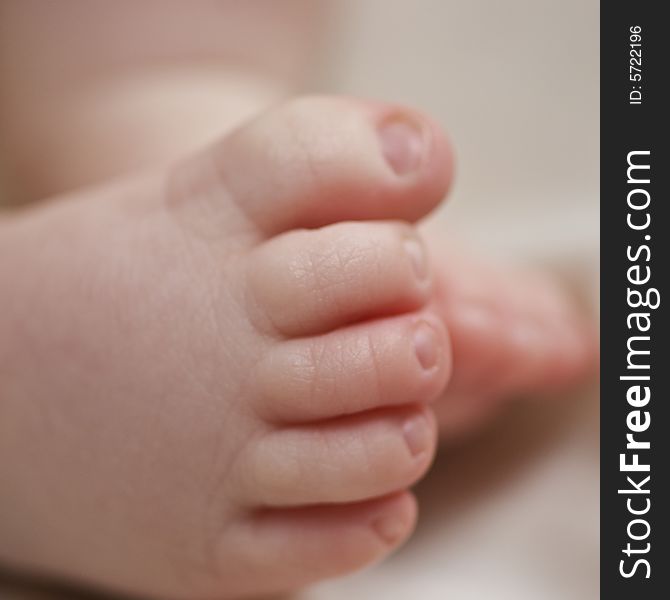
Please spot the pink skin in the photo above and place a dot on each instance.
(216, 380)
(218, 375)
(515, 333)
(207, 398)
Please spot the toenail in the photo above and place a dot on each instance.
(417, 257)
(426, 345)
(402, 144)
(417, 434)
(389, 528)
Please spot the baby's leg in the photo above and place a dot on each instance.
(93, 90)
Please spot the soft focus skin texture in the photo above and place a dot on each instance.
(216, 374)
(92, 89)
(227, 402)
(514, 333)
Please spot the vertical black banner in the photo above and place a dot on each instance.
(635, 255)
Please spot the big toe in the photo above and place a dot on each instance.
(314, 161)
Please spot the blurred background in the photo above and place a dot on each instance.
(515, 84)
(514, 512)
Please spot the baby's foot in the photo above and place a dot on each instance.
(514, 332)
(215, 379)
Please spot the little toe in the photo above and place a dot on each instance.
(296, 547)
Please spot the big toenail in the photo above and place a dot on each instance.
(402, 144)
(389, 528)
(417, 434)
(417, 257)
(426, 345)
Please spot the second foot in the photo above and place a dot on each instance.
(514, 333)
